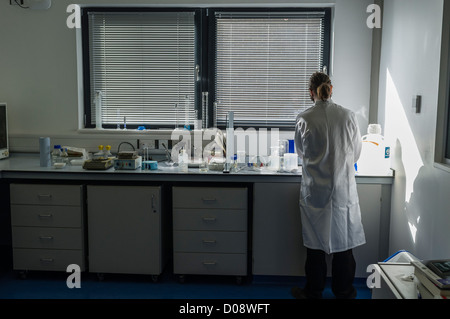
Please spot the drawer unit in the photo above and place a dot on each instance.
(211, 197)
(47, 226)
(212, 264)
(49, 238)
(210, 219)
(210, 231)
(45, 216)
(47, 259)
(31, 194)
(202, 241)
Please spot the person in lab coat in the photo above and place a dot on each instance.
(328, 140)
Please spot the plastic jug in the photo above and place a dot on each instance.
(375, 158)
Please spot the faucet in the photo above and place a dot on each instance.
(168, 155)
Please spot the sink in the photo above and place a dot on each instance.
(167, 164)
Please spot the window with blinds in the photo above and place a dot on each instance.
(151, 65)
(263, 62)
(143, 63)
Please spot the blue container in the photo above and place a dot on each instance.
(291, 146)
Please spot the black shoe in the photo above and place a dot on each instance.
(300, 293)
(351, 295)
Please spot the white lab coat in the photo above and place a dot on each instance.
(328, 140)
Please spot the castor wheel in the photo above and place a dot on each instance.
(181, 279)
(155, 278)
(239, 280)
(100, 276)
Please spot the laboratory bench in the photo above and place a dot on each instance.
(139, 221)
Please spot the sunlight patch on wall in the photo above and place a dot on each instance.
(398, 132)
(398, 128)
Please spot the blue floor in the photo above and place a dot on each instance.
(52, 285)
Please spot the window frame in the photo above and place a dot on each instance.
(446, 150)
(212, 45)
(87, 97)
(442, 137)
(204, 53)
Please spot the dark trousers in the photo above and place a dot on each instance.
(343, 273)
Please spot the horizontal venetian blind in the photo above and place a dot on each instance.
(263, 65)
(144, 65)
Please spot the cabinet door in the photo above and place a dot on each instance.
(370, 204)
(277, 230)
(277, 235)
(124, 228)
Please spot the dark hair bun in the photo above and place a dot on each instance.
(320, 83)
(324, 91)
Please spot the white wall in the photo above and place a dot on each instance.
(352, 59)
(410, 65)
(38, 65)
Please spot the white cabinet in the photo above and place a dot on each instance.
(47, 226)
(277, 238)
(210, 231)
(125, 232)
(370, 204)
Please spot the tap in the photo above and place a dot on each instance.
(168, 155)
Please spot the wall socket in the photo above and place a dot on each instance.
(160, 142)
(150, 144)
(32, 4)
(417, 103)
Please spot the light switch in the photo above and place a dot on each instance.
(417, 103)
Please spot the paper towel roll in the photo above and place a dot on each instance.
(44, 150)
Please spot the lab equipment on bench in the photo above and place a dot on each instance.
(229, 143)
(290, 162)
(183, 160)
(56, 154)
(150, 165)
(44, 152)
(274, 164)
(127, 160)
(147, 163)
(98, 109)
(100, 154)
(98, 164)
(101, 160)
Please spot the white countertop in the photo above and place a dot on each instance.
(27, 165)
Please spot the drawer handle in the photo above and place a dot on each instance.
(45, 215)
(209, 263)
(209, 219)
(153, 204)
(206, 241)
(46, 237)
(47, 260)
(209, 199)
(45, 196)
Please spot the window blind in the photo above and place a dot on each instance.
(263, 64)
(144, 65)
